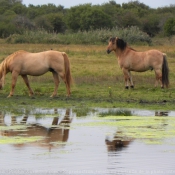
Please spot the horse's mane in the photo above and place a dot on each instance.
(13, 54)
(121, 44)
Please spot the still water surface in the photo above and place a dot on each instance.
(80, 142)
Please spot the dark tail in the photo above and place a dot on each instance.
(68, 76)
(165, 72)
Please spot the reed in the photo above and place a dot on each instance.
(100, 36)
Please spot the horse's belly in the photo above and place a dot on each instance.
(33, 72)
(140, 67)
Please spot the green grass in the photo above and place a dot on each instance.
(98, 81)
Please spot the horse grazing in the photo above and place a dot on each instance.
(35, 64)
(131, 60)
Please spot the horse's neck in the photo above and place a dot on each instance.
(119, 53)
(122, 53)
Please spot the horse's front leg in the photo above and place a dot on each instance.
(56, 81)
(26, 81)
(2, 82)
(126, 77)
(130, 80)
(14, 79)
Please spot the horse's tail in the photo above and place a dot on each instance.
(165, 71)
(68, 75)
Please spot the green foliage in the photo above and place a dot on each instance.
(99, 36)
(85, 18)
(56, 20)
(19, 9)
(169, 27)
(43, 23)
(73, 16)
(150, 24)
(29, 36)
(134, 35)
(7, 29)
(94, 19)
(127, 19)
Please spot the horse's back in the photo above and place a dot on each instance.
(142, 61)
(38, 58)
(37, 63)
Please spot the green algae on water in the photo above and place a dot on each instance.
(19, 139)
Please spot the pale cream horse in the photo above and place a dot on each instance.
(131, 60)
(58, 132)
(35, 64)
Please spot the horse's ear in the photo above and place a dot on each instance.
(121, 44)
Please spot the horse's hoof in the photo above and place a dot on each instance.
(9, 96)
(132, 86)
(126, 87)
(52, 96)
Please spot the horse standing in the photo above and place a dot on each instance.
(25, 63)
(131, 60)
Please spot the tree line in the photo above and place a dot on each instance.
(16, 18)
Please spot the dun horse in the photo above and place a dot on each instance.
(131, 60)
(35, 64)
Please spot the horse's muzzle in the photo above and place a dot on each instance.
(108, 51)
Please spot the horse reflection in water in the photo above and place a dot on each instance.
(161, 113)
(118, 142)
(56, 133)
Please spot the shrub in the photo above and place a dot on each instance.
(132, 35)
(169, 27)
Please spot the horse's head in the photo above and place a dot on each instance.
(111, 45)
(116, 43)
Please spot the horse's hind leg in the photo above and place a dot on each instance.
(67, 86)
(158, 75)
(26, 81)
(56, 81)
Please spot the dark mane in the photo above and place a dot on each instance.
(121, 44)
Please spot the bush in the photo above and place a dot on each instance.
(169, 27)
(132, 35)
(7, 29)
(34, 37)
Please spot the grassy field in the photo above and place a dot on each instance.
(98, 81)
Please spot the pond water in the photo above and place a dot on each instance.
(87, 141)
